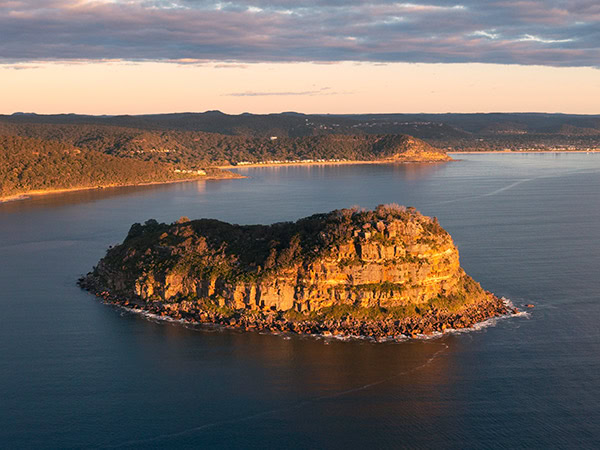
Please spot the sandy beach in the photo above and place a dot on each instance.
(41, 192)
(327, 163)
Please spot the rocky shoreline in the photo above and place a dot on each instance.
(432, 321)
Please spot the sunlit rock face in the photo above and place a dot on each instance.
(389, 257)
(407, 148)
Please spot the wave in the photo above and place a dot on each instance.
(327, 336)
(491, 322)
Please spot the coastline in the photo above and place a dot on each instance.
(333, 163)
(379, 161)
(512, 152)
(44, 192)
(489, 322)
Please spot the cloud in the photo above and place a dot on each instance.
(529, 37)
(230, 66)
(488, 34)
(19, 66)
(552, 33)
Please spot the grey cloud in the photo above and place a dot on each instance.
(555, 33)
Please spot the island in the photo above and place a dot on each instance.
(387, 273)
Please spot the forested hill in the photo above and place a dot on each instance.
(297, 124)
(28, 164)
(492, 131)
(196, 149)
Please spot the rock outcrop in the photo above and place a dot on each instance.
(390, 263)
(404, 148)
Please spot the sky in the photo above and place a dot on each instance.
(313, 56)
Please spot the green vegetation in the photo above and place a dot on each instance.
(196, 149)
(202, 244)
(342, 312)
(38, 156)
(452, 132)
(468, 289)
(207, 248)
(29, 164)
(212, 306)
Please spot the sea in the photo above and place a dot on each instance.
(78, 373)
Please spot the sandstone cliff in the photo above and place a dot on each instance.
(392, 260)
(404, 148)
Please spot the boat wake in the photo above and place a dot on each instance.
(201, 428)
(298, 405)
(517, 183)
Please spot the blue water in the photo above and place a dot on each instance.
(77, 373)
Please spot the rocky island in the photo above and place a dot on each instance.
(386, 273)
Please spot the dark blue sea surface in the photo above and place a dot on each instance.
(75, 372)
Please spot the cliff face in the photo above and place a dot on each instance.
(388, 258)
(407, 148)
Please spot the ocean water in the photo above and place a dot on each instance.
(75, 373)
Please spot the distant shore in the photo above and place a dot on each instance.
(43, 192)
(512, 152)
(355, 162)
(329, 163)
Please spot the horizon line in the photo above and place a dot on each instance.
(108, 115)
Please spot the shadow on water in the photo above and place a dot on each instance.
(304, 375)
(408, 171)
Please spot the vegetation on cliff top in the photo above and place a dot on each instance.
(209, 247)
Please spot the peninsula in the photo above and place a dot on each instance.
(31, 166)
(45, 158)
(386, 273)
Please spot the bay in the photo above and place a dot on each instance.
(77, 373)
